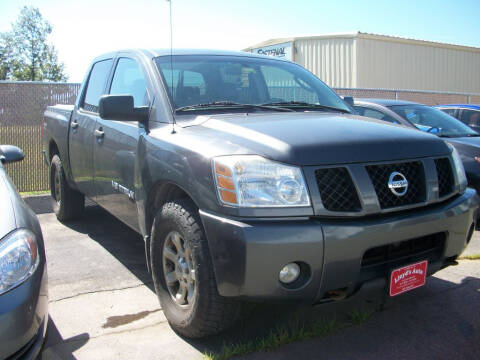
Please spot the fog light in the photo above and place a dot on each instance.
(289, 273)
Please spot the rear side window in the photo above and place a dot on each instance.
(375, 114)
(129, 80)
(96, 85)
(471, 117)
(450, 112)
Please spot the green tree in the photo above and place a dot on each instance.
(6, 56)
(25, 53)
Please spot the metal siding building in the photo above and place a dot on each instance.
(362, 60)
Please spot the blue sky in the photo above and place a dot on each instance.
(83, 29)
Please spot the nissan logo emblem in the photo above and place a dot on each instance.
(398, 183)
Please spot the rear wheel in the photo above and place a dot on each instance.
(183, 273)
(67, 203)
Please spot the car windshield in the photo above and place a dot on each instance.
(433, 120)
(211, 82)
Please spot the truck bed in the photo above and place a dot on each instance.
(55, 126)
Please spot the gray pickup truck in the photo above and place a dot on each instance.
(251, 180)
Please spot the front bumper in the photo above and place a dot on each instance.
(248, 254)
(24, 318)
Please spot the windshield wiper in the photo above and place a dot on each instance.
(472, 135)
(230, 104)
(301, 104)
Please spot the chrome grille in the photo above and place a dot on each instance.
(413, 172)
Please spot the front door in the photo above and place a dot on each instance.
(115, 152)
(82, 129)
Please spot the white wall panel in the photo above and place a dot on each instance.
(416, 66)
(332, 60)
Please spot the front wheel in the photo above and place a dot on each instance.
(67, 203)
(183, 274)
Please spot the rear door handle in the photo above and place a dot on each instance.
(99, 133)
(74, 125)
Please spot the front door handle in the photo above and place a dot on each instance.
(74, 125)
(99, 133)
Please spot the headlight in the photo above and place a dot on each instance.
(253, 181)
(18, 258)
(459, 169)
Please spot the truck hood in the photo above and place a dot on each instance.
(470, 142)
(313, 138)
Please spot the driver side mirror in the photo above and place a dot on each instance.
(10, 154)
(121, 107)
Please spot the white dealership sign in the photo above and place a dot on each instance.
(283, 50)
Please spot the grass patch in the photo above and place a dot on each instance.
(33, 193)
(470, 257)
(357, 317)
(295, 331)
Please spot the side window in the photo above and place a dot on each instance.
(128, 80)
(96, 85)
(450, 112)
(471, 117)
(360, 110)
(376, 115)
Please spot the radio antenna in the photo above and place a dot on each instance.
(171, 65)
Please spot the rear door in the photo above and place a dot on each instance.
(115, 152)
(82, 128)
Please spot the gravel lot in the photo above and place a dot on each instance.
(102, 306)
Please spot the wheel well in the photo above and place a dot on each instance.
(160, 194)
(52, 150)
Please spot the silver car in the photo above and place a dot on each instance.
(23, 271)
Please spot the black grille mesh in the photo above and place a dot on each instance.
(445, 176)
(337, 190)
(404, 250)
(413, 172)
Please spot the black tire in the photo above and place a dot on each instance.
(209, 313)
(67, 203)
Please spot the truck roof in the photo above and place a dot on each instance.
(151, 53)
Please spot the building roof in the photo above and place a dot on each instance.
(367, 36)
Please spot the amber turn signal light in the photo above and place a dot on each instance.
(228, 196)
(226, 183)
(223, 170)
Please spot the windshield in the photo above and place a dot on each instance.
(433, 121)
(227, 81)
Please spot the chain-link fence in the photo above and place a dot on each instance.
(22, 105)
(21, 111)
